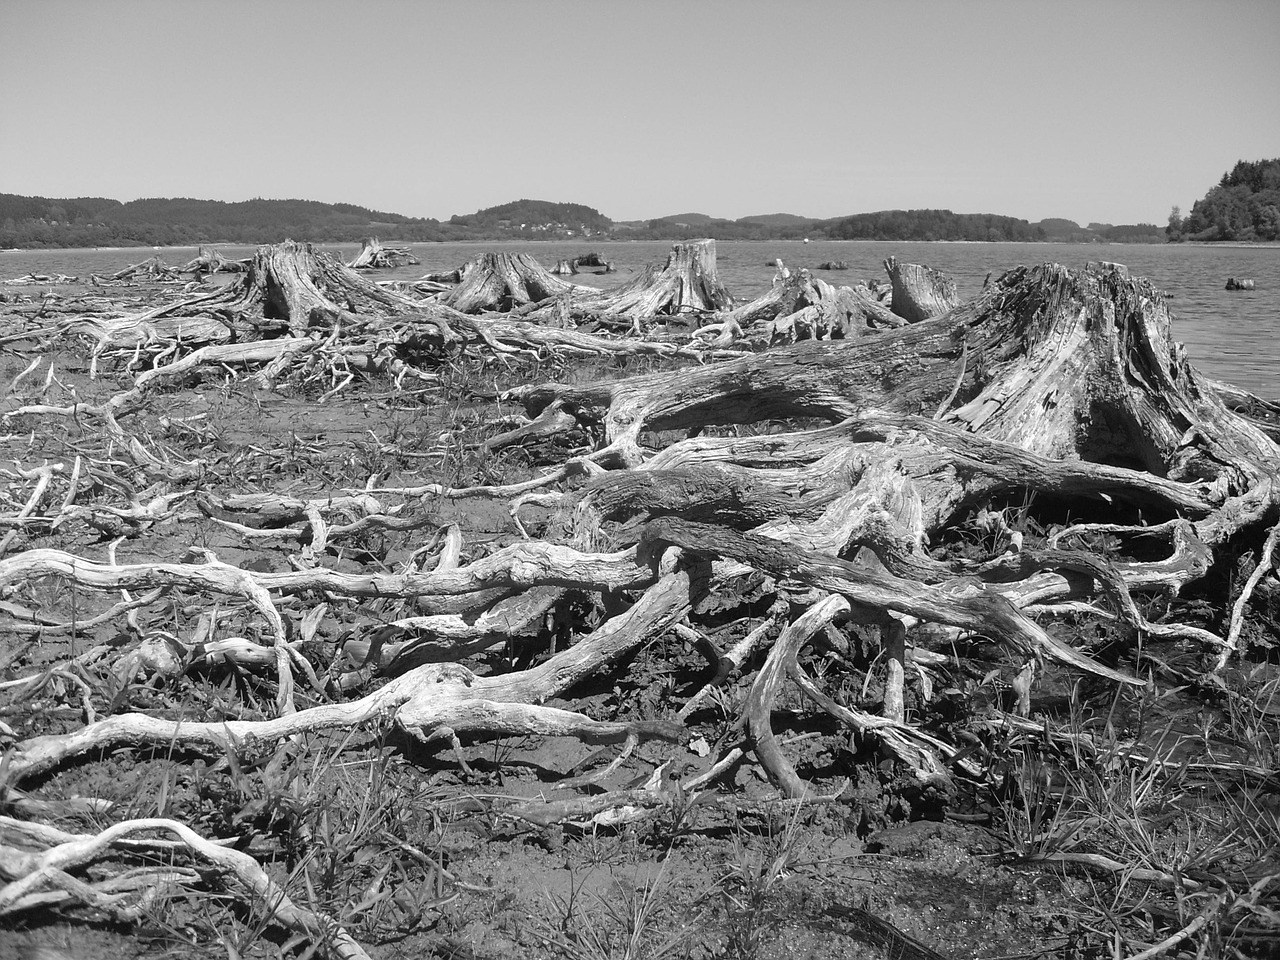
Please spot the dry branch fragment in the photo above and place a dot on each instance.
(958, 603)
(37, 869)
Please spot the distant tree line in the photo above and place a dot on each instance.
(532, 217)
(932, 225)
(1245, 205)
(97, 222)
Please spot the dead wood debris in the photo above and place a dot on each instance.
(1055, 384)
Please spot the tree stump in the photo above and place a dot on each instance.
(920, 292)
(374, 256)
(688, 285)
(502, 281)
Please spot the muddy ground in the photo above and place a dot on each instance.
(411, 851)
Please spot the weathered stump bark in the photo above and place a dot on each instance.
(687, 285)
(592, 259)
(920, 292)
(291, 283)
(287, 287)
(800, 306)
(1062, 364)
(502, 281)
(565, 268)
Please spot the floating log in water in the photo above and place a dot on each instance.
(1234, 284)
(834, 265)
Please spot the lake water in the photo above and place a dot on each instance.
(1231, 335)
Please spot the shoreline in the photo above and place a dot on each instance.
(1197, 244)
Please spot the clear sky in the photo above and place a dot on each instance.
(1096, 111)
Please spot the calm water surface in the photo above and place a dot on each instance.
(1234, 335)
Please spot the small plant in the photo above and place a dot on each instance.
(620, 926)
(751, 888)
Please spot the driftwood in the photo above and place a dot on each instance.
(1056, 386)
(834, 265)
(564, 268)
(210, 260)
(1237, 284)
(153, 268)
(374, 256)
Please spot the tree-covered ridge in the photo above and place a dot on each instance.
(931, 225)
(1245, 205)
(538, 216)
(95, 221)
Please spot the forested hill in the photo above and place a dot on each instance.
(932, 225)
(536, 216)
(1245, 205)
(96, 221)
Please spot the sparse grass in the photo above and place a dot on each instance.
(629, 922)
(756, 873)
(1170, 849)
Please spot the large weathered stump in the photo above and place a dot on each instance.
(502, 281)
(687, 285)
(920, 292)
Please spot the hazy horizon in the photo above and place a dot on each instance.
(1092, 111)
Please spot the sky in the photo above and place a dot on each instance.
(1094, 111)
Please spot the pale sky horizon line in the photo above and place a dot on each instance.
(1092, 111)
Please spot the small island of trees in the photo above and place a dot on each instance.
(1244, 206)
